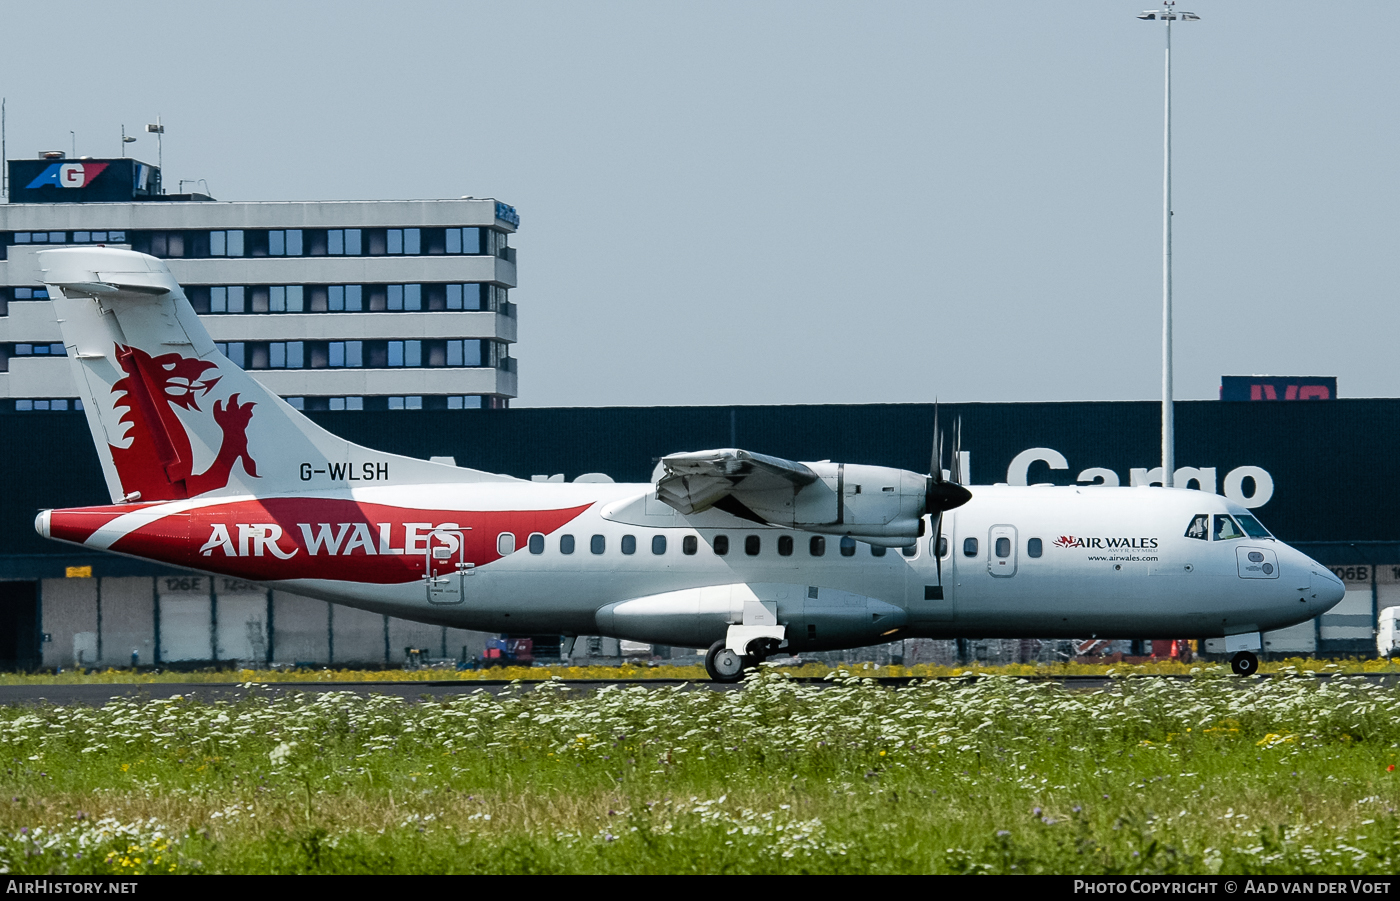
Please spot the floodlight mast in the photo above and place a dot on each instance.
(1168, 13)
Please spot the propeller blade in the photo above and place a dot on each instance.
(937, 540)
(935, 468)
(957, 452)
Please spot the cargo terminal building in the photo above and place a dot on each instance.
(1318, 475)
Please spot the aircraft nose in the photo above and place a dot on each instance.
(1327, 587)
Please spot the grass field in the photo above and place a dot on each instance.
(1281, 775)
(610, 673)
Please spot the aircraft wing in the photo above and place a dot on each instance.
(696, 481)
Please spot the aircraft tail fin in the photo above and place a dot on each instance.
(173, 417)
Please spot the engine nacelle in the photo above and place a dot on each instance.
(877, 504)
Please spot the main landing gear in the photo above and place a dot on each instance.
(1244, 664)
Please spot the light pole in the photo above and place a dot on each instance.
(1168, 13)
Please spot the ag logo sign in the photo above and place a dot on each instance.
(68, 175)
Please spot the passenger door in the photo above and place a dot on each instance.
(445, 567)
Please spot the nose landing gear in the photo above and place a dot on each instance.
(724, 665)
(1244, 664)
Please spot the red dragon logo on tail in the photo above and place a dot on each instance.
(159, 461)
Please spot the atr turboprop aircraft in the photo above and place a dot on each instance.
(734, 551)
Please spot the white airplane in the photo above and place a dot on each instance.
(729, 550)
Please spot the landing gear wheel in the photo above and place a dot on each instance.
(724, 665)
(1244, 664)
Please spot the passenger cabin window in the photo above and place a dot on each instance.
(752, 545)
(785, 546)
(970, 547)
(688, 545)
(1252, 527)
(1225, 528)
(658, 544)
(721, 545)
(817, 546)
(848, 544)
(1200, 527)
(910, 551)
(566, 544)
(942, 550)
(537, 543)
(505, 544)
(629, 544)
(1034, 547)
(878, 550)
(598, 544)
(1003, 547)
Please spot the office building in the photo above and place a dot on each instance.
(335, 305)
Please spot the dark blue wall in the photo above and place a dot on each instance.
(1334, 492)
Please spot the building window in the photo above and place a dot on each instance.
(229, 299)
(466, 352)
(60, 405)
(226, 243)
(285, 299)
(345, 298)
(40, 350)
(463, 240)
(408, 241)
(404, 297)
(347, 403)
(406, 353)
(286, 354)
(296, 403)
(343, 241)
(468, 402)
(284, 242)
(411, 402)
(345, 353)
(234, 351)
(31, 294)
(467, 297)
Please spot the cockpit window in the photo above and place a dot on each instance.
(1200, 527)
(1225, 528)
(1252, 527)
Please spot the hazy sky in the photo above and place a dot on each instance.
(808, 202)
